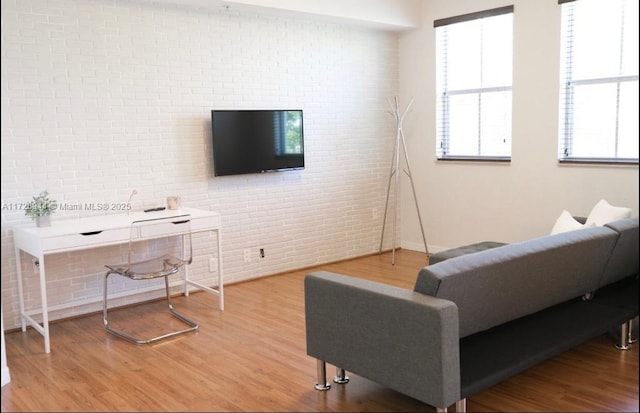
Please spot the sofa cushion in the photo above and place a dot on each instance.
(566, 222)
(603, 213)
(467, 249)
(501, 284)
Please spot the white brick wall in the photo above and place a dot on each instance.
(100, 97)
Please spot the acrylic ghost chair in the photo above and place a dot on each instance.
(141, 265)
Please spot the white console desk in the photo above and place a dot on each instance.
(98, 231)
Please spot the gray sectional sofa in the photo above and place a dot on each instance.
(477, 319)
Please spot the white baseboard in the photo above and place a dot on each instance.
(414, 246)
(6, 378)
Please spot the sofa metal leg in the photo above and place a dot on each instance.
(623, 344)
(631, 338)
(341, 376)
(461, 407)
(322, 383)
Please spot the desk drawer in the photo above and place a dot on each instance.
(205, 223)
(86, 240)
(176, 226)
(179, 225)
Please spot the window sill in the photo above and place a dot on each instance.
(499, 159)
(598, 161)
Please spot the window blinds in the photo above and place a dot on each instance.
(599, 81)
(473, 82)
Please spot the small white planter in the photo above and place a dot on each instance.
(43, 221)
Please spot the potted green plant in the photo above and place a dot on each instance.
(41, 208)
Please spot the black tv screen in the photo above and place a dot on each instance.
(256, 141)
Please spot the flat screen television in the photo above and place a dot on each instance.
(257, 141)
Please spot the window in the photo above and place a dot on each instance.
(599, 82)
(473, 85)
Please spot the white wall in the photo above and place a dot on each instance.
(6, 375)
(101, 97)
(462, 203)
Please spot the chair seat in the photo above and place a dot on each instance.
(162, 266)
(152, 267)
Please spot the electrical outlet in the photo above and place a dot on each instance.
(374, 213)
(247, 255)
(213, 264)
(261, 252)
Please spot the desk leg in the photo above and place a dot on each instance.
(44, 329)
(45, 308)
(220, 290)
(185, 268)
(220, 275)
(186, 280)
(20, 290)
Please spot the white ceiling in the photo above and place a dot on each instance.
(395, 15)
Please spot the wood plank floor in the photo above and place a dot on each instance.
(251, 357)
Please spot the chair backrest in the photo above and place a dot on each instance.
(172, 237)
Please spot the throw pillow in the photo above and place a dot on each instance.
(603, 213)
(566, 222)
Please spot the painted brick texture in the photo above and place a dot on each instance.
(103, 97)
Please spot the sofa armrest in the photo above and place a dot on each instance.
(402, 339)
